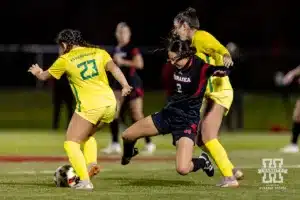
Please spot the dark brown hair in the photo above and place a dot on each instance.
(188, 16)
(71, 38)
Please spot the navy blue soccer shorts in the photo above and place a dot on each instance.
(177, 122)
(134, 82)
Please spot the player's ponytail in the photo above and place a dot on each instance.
(72, 38)
(188, 16)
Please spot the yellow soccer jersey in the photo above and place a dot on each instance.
(206, 44)
(211, 51)
(85, 69)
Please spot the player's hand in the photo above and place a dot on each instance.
(287, 79)
(118, 59)
(227, 61)
(126, 90)
(220, 73)
(35, 69)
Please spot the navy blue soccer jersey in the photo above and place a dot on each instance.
(186, 88)
(188, 84)
(128, 52)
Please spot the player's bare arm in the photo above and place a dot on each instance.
(136, 62)
(289, 77)
(211, 43)
(119, 76)
(39, 72)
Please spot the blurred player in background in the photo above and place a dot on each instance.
(129, 59)
(61, 93)
(181, 115)
(86, 67)
(219, 93)
(286, 80)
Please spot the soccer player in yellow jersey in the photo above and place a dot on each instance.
(85, 66)
(219, 93)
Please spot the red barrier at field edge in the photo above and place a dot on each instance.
(276, 128)
(62, 158)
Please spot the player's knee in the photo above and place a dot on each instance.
(127, 136)
(182, 169)
(130, 134)
(73, 138)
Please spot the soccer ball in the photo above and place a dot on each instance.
(65, 176)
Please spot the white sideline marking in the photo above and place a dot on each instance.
(31, 172)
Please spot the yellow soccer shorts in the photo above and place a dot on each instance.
(104, 114)
(220, 91)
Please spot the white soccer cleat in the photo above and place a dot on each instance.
(114, 148)
(291, 148)
(149, 149)
(84, 185)
(228, 182)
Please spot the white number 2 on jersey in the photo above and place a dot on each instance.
(178, 87)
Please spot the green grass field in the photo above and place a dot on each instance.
(31, 109)
(150, 179)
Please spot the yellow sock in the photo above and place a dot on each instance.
(203, 147)
(90, 150)
(76, 158)
(219, 154)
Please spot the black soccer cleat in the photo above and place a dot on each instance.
(126, 160)
(208, 168)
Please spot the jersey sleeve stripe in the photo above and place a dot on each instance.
(53, 74)
(77, 97)
(209, 80)
(203, 80)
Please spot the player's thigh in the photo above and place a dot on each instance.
(184, 153)
(136, 108)
(79, 128)
(296, 113)
(211, 122)
(120, 100)
(142, 128)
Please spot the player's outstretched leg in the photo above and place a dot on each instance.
(185, 163)
(209, 128)
(136, 108)
(78, 131)
(143, 128)
(237, 173)
(293, 146)
(90, 155)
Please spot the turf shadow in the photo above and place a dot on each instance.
(152, 182)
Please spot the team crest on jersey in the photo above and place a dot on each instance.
(182, 79)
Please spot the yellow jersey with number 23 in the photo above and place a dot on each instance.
(85, 69)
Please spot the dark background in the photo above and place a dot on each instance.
(266, 32)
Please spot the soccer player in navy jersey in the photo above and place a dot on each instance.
(181, 115)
